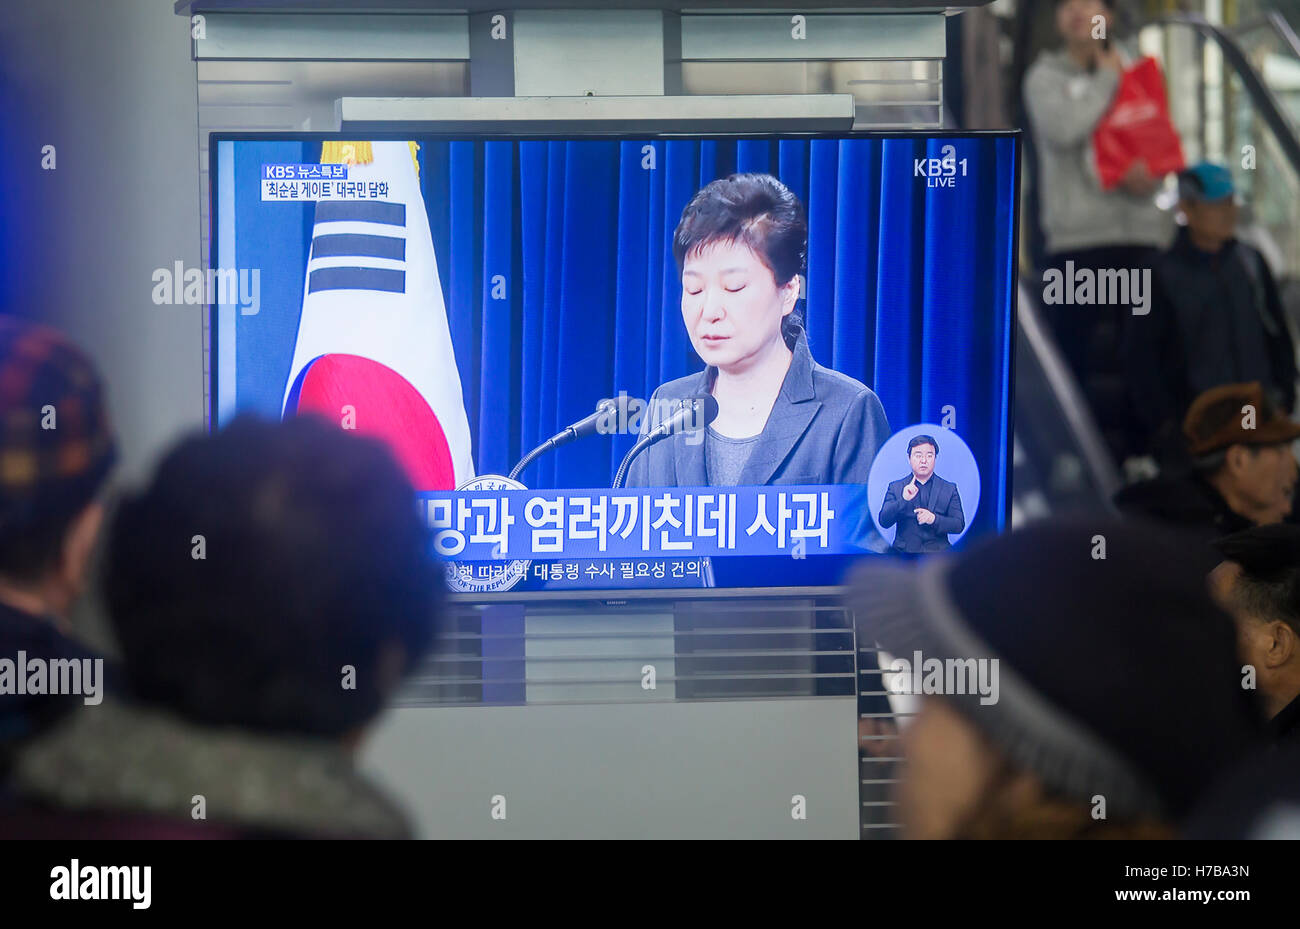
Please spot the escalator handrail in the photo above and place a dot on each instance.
(1074, 409)
(1275, 21)
(1283, 28)
(1262, 98)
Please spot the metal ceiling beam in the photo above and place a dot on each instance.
(565, 115)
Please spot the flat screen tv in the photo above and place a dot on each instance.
(619, 366)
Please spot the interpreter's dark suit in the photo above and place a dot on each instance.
(938, 496)
(825, 428)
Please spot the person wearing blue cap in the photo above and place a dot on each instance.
(1216, 316)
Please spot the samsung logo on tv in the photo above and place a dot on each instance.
(942, 171)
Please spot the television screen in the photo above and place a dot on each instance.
(615, 365)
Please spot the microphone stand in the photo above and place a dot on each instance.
(538, 452)
(637, 449)
(615, 407)
(689, 413)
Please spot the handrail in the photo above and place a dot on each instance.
(1078, 417)
(1279, 24)
(1074, 409)
(1283, 27)
(1265, 103)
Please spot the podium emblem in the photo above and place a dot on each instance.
(496, 576)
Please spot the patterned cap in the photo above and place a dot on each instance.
(56, 446)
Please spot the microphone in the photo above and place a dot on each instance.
(610, 407)
(692, 413)
(696, 412)
(616, 406)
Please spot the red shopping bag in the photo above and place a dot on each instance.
(1137, 127)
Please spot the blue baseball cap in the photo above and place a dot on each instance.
(1206, 182)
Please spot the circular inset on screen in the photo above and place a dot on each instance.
(923, 489)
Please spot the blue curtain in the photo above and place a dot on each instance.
(909, 285)
(276, 242)
(556, 264)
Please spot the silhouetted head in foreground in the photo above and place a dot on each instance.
(1076, 681)
(273, 577)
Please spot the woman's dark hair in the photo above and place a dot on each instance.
(313, 559)
(755, 210)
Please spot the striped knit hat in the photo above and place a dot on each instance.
(1117, 675)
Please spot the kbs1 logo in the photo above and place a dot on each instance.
(942, 171)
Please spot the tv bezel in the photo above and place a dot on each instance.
(612, 597)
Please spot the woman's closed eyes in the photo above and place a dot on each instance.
(729, 288)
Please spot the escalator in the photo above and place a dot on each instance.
(1235, 99)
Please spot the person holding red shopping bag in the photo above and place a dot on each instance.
(1103, 151)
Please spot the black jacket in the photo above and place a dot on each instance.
(1215, 319)
(1184, 501)
(912, 538)
(1285, 726)
(23, 716)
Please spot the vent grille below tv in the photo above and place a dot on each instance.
(669, 652)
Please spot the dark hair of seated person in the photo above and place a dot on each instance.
(314, 561)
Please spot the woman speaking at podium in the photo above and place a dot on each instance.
(741, 247)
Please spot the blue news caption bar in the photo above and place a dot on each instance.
(640, 522)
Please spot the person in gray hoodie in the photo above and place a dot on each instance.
(1067, 92)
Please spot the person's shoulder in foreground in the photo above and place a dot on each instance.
(56, 451)
(1260, 800)
(270, 588)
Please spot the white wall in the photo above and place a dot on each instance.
(726, 769)
(111, 85)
